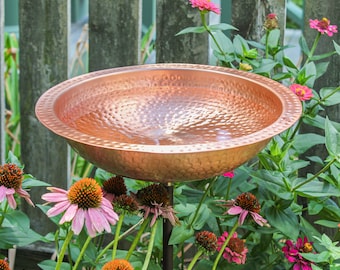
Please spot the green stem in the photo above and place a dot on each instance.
(325, 98)
(267, 47)
(201, 201)
(311, 52)
(150, 246)
(63, 249)
(219, 255)
(194, 260)
(211, 34)
(315, 175)
(115, 242)
(104, 250)
(88, 240)
(2, 218)
(136, 240)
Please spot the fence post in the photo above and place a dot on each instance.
(43, 64)
(249, 16)
(114, 33)
(2, 90)
(171, 17)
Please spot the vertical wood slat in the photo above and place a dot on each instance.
(43, 64)
(249, 16)
(171, 17)
(2, 84)
(114, 33)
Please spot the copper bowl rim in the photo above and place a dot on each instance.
(291, 111)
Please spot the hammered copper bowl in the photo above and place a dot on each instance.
(168, 122)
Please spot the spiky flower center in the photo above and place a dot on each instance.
(155, 193)
(125, 204)
(11, 176)
(207, 240)
(86, 193)
(248, 201)
(307, 247)
(115, 185)
(4, 265)
(236, 245)
(117, 264)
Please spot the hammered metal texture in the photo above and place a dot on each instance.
(168, 122)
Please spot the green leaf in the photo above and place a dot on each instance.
(321, 56)
(29, 181)
(289, 63)
(284, 220)
(332, 139)
(266, 66)
(274, 38)
(51, 265)
(317, 189)
(222, 27)
(314, 207)
(337, 47)
(180, 233)
(303, 45)
(327, 223)
(330, 96)
(193, 29)
(204, 213)
(305, 141)
(321, 69)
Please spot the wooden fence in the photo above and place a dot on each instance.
(114, 40)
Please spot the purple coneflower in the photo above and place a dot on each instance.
(82, 203)
(246, 203)
(114, 187)
(11, 177)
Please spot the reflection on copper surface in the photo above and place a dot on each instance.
(168, 122)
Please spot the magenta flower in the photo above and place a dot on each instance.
(293, 253)
(302, 91)
(205, 5)
(229, 174)
(245, 204)
(11, 177)
(324, 26)
(235, 250)
(154, 200)
(82, 204)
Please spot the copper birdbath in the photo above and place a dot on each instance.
(168, 122)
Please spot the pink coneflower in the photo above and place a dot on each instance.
(82, 203)
(117, 264)
(207, 241)
(302, 91)
(114, 186)
(293, 253)
(323, 26)
(245, 204)
(154, 199)
(11, 177)
(235, 250)
(4, 264)
(205, 5)
(229, 174)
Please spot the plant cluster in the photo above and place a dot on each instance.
(265, 214)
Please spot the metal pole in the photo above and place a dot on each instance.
(167, 229)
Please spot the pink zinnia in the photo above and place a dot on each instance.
(205, 5)
(229, 174)
(11, 177)
(245, 204)
(293, 253)
(235, 250)
(302, 91)
(82, 203)
(323, 26)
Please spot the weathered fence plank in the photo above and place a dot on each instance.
(43, 64)
(249, 16)
(2, 91)
(171, 17)
(114, 33)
